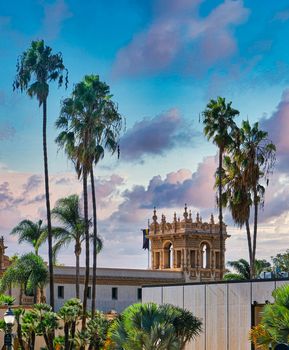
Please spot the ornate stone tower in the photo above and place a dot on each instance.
(187, 245)
(4, 260)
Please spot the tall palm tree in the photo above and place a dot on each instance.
(258, 159)
(236, 196)
(75, 139)
(246, 173)
(90, 123)
(106, 126)
(218, 120)
(36, 68)
(31, 232)
(67, 211)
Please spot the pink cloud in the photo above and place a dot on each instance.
(177, 188)
(179, 33)
(22, 195)
(179, 176)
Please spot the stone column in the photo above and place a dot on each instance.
(162, 263)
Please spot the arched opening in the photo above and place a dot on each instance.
(168, 255)
(205, 253)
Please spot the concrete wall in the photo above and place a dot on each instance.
(224, 308)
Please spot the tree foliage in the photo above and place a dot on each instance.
(281, 261)
(242, 270)
(33, 233)
(36, 68)
(153, 327)
(274, 326)
(28, 271)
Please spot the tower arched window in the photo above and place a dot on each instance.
(168, 255)
(205, 252)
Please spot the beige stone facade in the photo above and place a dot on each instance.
(4, 259)
(187, 245)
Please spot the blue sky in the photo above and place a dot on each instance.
(163, 60)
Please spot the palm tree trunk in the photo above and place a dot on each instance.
(221, 215)
(94, 243)
(86, 249)
(72, 335)
(249, 247)
(77, 269)
(35, 295)
(66, 336)
(255, 229)
(50, 257)
(19, 335)
(42, 297)
(21, 294)
(33, 338)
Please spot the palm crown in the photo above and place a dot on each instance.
(90, 123)
(31, 232)
(218, 118)
(41, 66)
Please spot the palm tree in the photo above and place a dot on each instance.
(47, 323)
(75, 140)
(90, 122)
(28, 271)
(70, 314)
(31, 232)
(67, 212)
(236, 196)
(246, 174)
(258, 160)
(153, 327)
(242, 269)
(106, 125)
(97, 328)
(218, 120)
(36, 68)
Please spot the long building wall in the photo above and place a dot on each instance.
(115, 288)
(226, 309)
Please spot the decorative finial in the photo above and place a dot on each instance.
(198, 218)
(201, 219)
(190, 215)
(186, 212)
(175, 217)
(155, 215)
(212, 219)
(163, 219)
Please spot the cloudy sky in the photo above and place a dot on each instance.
(163, 59)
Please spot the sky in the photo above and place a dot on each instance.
(163, 61)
